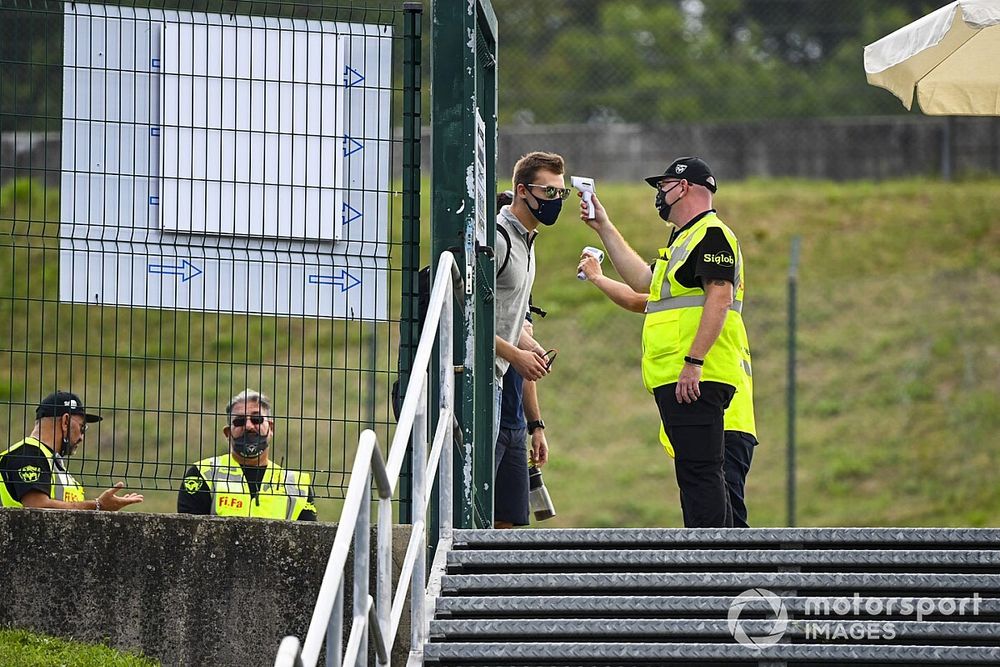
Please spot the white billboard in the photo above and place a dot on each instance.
(202, 149)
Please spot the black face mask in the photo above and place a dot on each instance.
(661, 203)
(249, 444)
(548, 210)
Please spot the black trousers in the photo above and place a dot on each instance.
(696, 432)
(735, 466)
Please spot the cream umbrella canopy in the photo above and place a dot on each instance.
(951, 57)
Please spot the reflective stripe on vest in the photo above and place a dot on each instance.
(673, 314)
(64, 487)
(283, 493)
(674, 302)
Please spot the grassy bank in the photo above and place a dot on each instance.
(898, 349)
(27, 649)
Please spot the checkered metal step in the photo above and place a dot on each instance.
(759, 597)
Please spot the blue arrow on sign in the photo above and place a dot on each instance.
(354, 80)
(351, 145)
(343, 280)
(349, 213)
(186, 270)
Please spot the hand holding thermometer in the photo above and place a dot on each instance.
(596, 253)
(585, 184)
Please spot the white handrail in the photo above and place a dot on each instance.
(355, 518)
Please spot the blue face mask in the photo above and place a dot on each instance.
(548, 210)
(249, 444)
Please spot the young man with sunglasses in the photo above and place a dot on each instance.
(537, 198)
(245, 482)
(34, 469)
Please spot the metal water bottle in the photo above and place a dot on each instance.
(539, 499)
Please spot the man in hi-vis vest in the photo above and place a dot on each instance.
(34, 469)
(740, 425)
(695, 351)
(244, 482)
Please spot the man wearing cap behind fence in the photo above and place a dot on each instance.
(694, 345)
(34, 469)
(245, 482)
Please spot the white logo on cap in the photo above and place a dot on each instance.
(71, 403)
(680, 168)
(711, 180)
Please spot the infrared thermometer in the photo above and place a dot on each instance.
(593, 252)
(585, 184)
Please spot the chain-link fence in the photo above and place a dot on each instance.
(196, 199)
(649, 61)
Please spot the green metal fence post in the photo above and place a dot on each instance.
(409, 323)
(793, 280)
(463, 80)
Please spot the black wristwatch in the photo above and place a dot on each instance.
(535, 423)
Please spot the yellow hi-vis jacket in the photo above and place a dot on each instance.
(284, 494)
(64, 487)
(739, 414)
(673, 313)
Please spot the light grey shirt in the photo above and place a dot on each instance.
(513, 285)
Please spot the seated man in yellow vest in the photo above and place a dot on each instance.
(244, 482)
(34, 469)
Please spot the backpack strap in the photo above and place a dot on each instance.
(506, 258)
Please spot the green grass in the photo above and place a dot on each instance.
(898, 349)
(27, 649)
(898, 358)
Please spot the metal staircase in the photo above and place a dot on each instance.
(678, 596)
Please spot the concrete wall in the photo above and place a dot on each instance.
(827, 148)
(184, 590)
(836, 149)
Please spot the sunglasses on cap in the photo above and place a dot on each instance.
(551, 191)
(241, 421)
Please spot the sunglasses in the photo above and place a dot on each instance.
(550, 357)
(241, 421)
(551, 191)
(667, 186)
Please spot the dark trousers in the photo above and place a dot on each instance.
(736, 465)
(696, 432)
(698, 459)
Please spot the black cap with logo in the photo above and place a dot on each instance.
(60, 403)
(692, 169)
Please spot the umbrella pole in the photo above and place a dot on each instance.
(946, 148)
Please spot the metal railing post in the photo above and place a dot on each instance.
(362, 540)
(335, 630)
(446, 380)
(419, 576)
(383, 583)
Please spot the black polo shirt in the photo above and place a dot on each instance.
(26, 469)
(713, 258)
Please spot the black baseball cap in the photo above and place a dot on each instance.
(691, 169)
(60, 403)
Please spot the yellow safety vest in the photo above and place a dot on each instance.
(64, 487)
(284, 494)
(739, 415)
